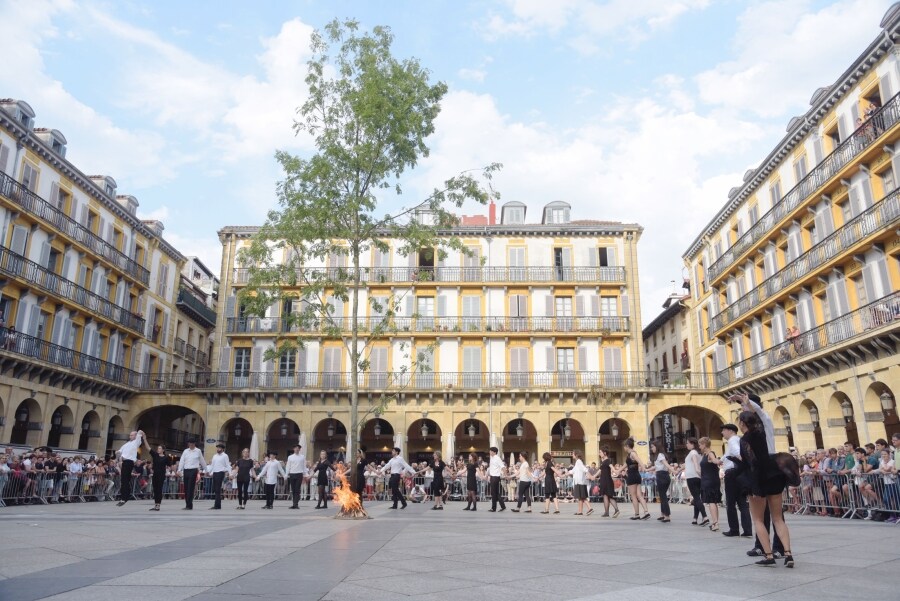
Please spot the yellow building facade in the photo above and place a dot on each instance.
(794, 282)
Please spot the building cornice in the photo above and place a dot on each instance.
(607, 229)
(821, 104)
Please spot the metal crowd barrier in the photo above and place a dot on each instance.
(845, 495)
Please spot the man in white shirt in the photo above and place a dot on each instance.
(128, 454)
(495, 470)
(735, 495)
(296, 473)
(191, 462)
(220, 466)
(396, 466)
(269, 474)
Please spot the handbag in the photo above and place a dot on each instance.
(788, 465)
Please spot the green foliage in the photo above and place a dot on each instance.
(369, 115)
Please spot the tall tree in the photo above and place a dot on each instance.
(369, 114)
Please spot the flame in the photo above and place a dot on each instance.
(346, 498)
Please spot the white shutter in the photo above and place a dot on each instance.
(549, 307)
(441, 305)
(779, 325)
(567, 257)
(611, 256)
(19, 240)
(165, 330)
(45, 254)
(255, 359)
(57, 331)
(4, 157)
(756, 345)
(65, 267)
(33, 320)
(225, 359)
(84, 215)
(582, 358)
(551, 359)
(409, 305)
(721, 357)
(579, 306)
(884, 84)
(54, 195)
(626, 308)
(818, 150)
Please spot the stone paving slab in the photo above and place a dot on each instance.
(96, 551)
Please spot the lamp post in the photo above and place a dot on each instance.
(330, 431)
(471, 430)
(424, 430)
(377, 429)
(614, 430)
(847, 411)
(284, 429)
(520, 431)
(887, 402)
(22, 415)
(787, 423)
(237, 430)
(814, 417)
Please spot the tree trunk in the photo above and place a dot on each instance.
(353, 431)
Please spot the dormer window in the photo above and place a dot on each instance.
(59, 149)
(512, 213)
(25, 120)
(556, 212)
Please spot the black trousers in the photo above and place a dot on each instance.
(736, 499)
(243, 491)
(190, 484)
(396, 495)
(696, 498)
(663, 482)
(295, 480)
(524, 493)
(159, 481)
(495, 493)
(125, 481)
(270, 495)
(777, 545)
(218, 479)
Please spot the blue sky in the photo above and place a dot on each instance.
(644, 111)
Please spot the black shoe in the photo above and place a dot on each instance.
(731, 534)
(215, 508)
(755, 552)
(187, 508)
(293, 507)
(705, 522)
(491, 510)
(467, 509)
(746, 535)
(403, 506)
(788, 560)
(514, 510)
(120, 503)
(503, 509)
(392, 507)
(767, 562)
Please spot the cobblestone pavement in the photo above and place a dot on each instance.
(96, 551)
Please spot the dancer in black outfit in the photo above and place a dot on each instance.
(710, 483)
(633, 480)
(692, 476)
(437, 481)
(160, 463)
(244, 465)
(471, 483)
(321, 471)
(607, 487)
(551, 490)
(360, 479)
(767, 484)
(663, 481)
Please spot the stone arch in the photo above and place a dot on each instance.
(171, 426)
(116, 435)
(29, 420)
(809, 429)
(611, 434)
(563, 440)
(783, 424)
(472, 436)
(423, 438)
(281, 436)
(377, 435)
(520, 434)
(62, 428)
(687, 421)
(89, 432)
(236, 433)
(329, 435)
(840, 428)
(876, 413)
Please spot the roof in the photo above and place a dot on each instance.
(668, 313)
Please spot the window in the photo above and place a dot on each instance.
(775, 192)
(800, 168)
(331, 376)
(29, 176)
(563, 312)
(754, 214)
(92, 221)
(517, 263)
(471, 313)
(565, 366)
(425, 312)
(287, 364)
(562, 261)
(518, 366)
(608, 306)
(471, 356)
(242, 364)
(887, 180)
(607, 256)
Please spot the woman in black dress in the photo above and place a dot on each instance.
(767, 484)
(244, 468)
(160, 464)
(437, 481)
(471, 470)
(607, 487)
(551, 490)
(321, 471)
(710, 483)
(360, 479)
(633, 480)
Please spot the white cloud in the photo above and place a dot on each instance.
(785, 50)
(472, 74)
(158, 214)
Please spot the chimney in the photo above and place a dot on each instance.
(492, 213)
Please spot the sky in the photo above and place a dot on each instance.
(643, 111)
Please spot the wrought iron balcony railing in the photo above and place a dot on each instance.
(18, 266)
(196, 308)
(866, 135)
(38, 207)
(877, 218)
(408, 275)
(179, 346)
(438, 325)
(883, 312)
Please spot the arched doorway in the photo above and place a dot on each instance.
(172, 426)
(89, 433)
(116, 435)
(281, 437)
(880, 405)
(62, 427)
(236, 433)
(26, 429)
(329, 435)
(784, 435)
(612, 434)
(378, 438)
(566, 435)
(684, 422)
(519, 435)
(472, 436)
(423, 439)
(812, 425)
(842, 420)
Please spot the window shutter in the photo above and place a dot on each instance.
(721, 357)
(57, 330)
(884, 85)
(413, 258)
(54, 195)
(230, 303)
(595, 306)
(842, 128)
(65, 267)
(779, 324)
(149, 329)
(45, 254)
(626, 305)
(86, 340)
(19, 240)
(611, 256)
(551, 359)
(593, 256)
(579, 306)
(225, 359)
(302, 366)
(567, 257)
(472, 359)
(84, 215)
(548, 307)
(97, 345)
(4, 157)
(409, 305)
(255, 359)
(756, 337)
(582, 358)
(441, 305)
(165, 330)
(818, 151)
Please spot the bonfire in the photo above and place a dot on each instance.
(351, 507)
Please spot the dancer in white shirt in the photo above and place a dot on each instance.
(525, 479)
(128, 454)
(579, 482)
(221, 466)
(495, 471)
(189, 466)
(269, 474)
(396, 466)
(296, 473)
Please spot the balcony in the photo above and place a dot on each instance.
(855, 324)
(202, 359)
(595, 382)
(196, 309)
(31, 348)
(39, 277)
(475, 275)
(40, 208)
(877, 218)
(190, 353)
(859, 140)
(179, 347)
(437, 325)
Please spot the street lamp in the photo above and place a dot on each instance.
(814, 416)
(237, 430)
(887, 401)
(471, 430)
(330, 429)
(283, 429)
(614, 429)
(22, 415)
(787, 422)
(377, 429)
(567, 431)
(520, 431)
(424, 429)
(56, 420)
(847, 411)
(85, 425)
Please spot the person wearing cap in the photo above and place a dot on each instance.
(296, 472)
(128, 454)
(735, 492)
(221, 466)
(191, 462)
